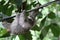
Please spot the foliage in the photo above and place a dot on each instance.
(48, 20)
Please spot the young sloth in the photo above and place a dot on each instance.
(21, 24)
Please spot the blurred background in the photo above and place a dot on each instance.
(47, 21)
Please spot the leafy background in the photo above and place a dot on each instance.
(48, 20)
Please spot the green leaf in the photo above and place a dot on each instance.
(17, 2)
(58, 8)
(13, 36)
(1, 17)
(51, 15)
(9, 10)
(12, 1)
(4, 9)
(44, 32)
(42, 22)
(4, 33)
(26, 36)
(28, 7)
(33, 3)
(21, 37)
(1, 5)
(39, 15)
(36, 28)
(2, 2)
(55, 29)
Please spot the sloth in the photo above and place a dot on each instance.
(22, 23)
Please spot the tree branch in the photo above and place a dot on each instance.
(43, 5)
(34, 9)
